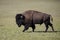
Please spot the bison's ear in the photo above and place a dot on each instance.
(22, 16)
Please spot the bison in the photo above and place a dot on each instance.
(31, 17)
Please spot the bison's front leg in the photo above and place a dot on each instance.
(33, 27)
(25, 27)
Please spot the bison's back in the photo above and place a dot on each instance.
(39, 18)
(36, 16)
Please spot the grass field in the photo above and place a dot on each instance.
(10, 31)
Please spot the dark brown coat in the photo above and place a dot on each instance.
(32, 17)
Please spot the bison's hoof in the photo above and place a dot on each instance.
(33, 31)
(23, 30)
(45, 31)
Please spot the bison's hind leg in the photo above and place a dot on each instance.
(50, 24)
(46, 27)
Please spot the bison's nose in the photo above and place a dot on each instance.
(19, 25)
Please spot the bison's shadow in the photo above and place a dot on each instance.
(43, 31)
(1, 25)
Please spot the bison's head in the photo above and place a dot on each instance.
(20, 19)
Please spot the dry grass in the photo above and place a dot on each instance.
(9, 29)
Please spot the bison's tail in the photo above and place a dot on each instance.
(51, 18)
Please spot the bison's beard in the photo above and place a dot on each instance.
(18, 23)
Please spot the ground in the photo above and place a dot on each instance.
(10, 31)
